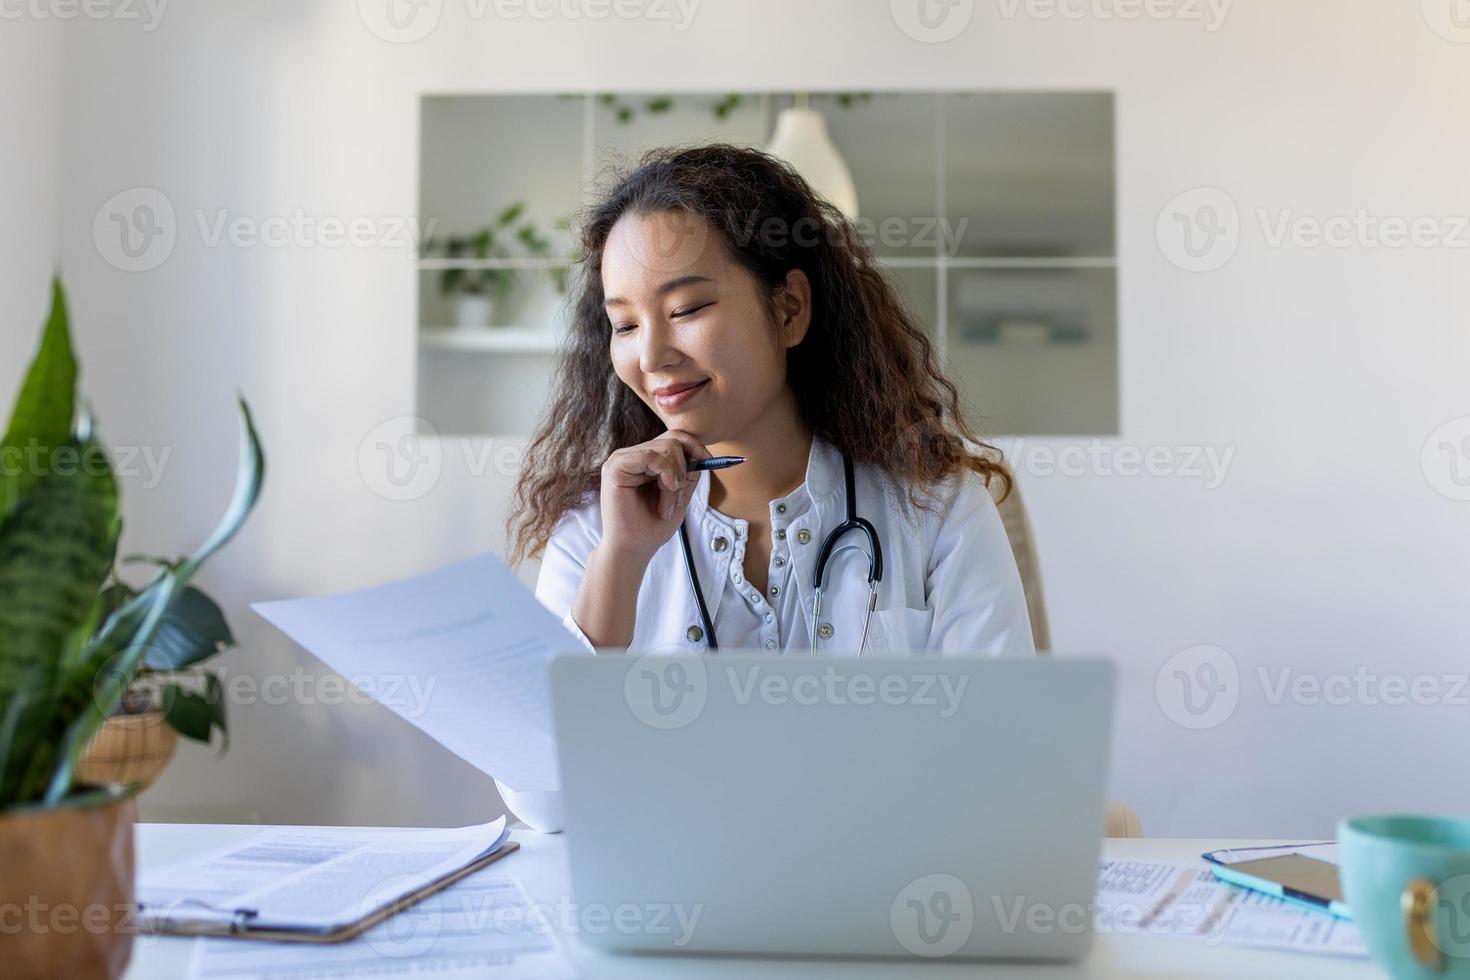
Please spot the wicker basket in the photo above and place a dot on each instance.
(128, 750)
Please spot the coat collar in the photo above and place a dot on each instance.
(823, 485)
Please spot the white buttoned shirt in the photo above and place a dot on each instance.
(949, 585)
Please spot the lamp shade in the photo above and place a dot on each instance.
(801, 140)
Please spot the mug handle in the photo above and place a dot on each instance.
(1418, 902)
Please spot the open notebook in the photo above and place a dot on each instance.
(313, 884)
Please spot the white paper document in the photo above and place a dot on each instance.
(483, 927)
(460, 652)
(1187, 901)
(310, 879)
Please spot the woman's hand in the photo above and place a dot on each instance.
(645, 491)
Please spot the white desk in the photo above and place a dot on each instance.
(541, 866)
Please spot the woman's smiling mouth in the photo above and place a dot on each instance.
(676, 395)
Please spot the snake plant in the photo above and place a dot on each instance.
(67, 653)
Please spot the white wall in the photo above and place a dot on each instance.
(1323, 370)
(30, 109)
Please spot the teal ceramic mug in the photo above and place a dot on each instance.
(1407, 881)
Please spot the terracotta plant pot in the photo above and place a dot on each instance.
(66, 890)
(128, 750)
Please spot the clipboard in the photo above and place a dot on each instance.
(238, 925)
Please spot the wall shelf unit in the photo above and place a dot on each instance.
(994, 212)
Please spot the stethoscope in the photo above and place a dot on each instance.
(819, 576)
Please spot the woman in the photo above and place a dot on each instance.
(726, 310)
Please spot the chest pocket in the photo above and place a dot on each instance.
(900, 630)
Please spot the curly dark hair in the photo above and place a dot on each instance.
(865, 377)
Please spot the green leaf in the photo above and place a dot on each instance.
(42, 417)
(214, 692)
(110, 660)
(56, 551)
(190, 714)
(511, 214)
(192, 629)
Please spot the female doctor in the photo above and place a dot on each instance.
(725, 310)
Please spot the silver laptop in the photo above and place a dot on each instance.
(929, 807)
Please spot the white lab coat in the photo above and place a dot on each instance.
(949, 586)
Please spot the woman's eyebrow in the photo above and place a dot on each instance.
(662, 290)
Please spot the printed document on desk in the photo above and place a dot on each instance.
(484, 927)
(459, 653)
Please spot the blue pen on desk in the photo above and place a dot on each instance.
(714, 463)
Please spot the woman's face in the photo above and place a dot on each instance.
(689, 333)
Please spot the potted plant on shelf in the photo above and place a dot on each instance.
(475, 290)
(67, 657)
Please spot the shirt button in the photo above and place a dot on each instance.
(778, 561)
(780, 508)
(770, 618)
(694, 633)
(825, 631)
(770, 644)
(738, 577)
(781, 534)
(775, 591)
(804, 536)
(720, 543)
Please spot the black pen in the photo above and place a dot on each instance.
(714, 463)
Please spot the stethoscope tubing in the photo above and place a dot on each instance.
(819, 575)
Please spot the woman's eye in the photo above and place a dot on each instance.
(691, 310)
(623, 328)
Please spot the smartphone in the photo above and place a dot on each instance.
(1296, 878)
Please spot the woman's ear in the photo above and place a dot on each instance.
(793, 304)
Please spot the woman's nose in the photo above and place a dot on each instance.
(657, 350)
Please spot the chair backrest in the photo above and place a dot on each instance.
(1023, 546)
